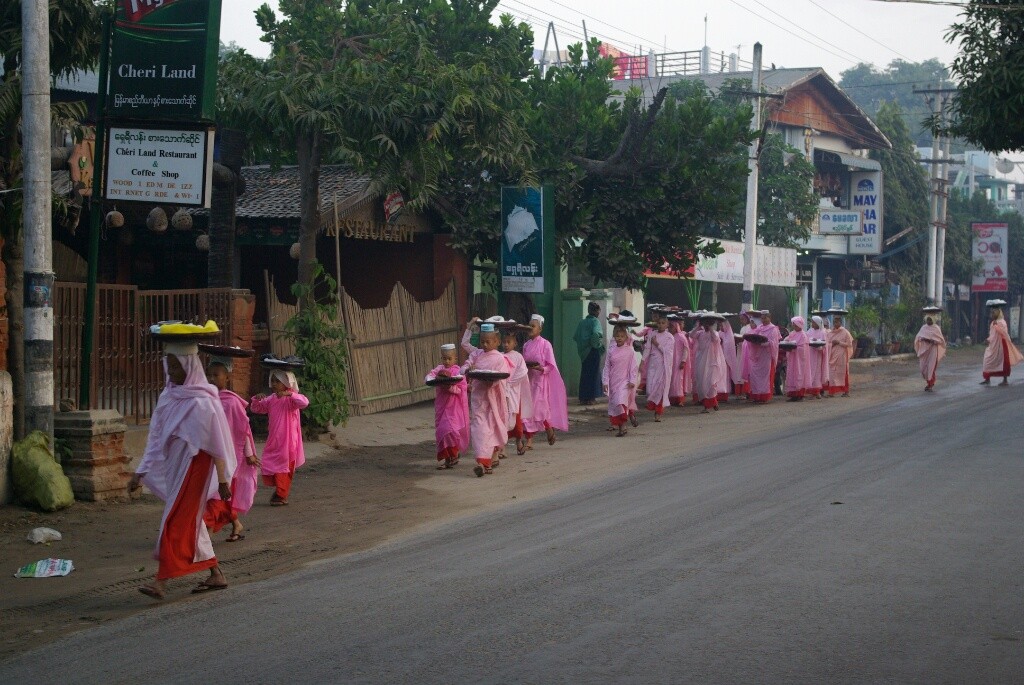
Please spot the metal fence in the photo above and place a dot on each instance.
(127, 374)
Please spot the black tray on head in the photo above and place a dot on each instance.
(287, 364)
(185, 337)
(445, 380)
(226, 351)
(756, 338)
(480, 375)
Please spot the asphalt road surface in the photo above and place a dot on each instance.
(882, 548)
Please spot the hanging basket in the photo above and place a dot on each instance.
(295, 251)
(115, 219)
(182, 220)
(203, 243)
(157, 220)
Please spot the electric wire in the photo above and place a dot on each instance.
(795, 35)
(619, 29)
(598, 34)
(809, 33)
(866, 35)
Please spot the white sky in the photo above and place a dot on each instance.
(805, 35)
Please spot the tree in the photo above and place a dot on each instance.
(988, 109)
(74, 41)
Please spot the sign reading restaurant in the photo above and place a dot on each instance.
(164, 60)
(159, 166)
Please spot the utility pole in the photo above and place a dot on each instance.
(940, 240)
(35, 111)
(937, 226)
(753, 166)
(933, 206)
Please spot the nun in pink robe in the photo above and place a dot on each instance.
(488, 410)
(547, 389)
(798, 361)
(732, 361)
(681, 355)
(621, 369)
(819, 357)
(762, 362)
(930, 346)
(246, 478)
(517, 394)
(451, 415)
(283, 452)
(1001, 353)
(708, 363)
(660, 357)
(743, 388)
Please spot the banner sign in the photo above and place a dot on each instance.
(990, 247)
(163, 63)
(522, 240)
(839, 222)
(159, 166)
(772, 266)
(866, 195)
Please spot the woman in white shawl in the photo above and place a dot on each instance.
(189, 458)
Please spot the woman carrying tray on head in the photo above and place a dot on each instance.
(681, 359)
(762, 353)
(930, 347)
(798, 362)
(283, 452)
(488, 408)
(550, 404)
(840, 347)
(1001, 353)
(816, 340)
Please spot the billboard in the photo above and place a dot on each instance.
(159, 166)
(866, 197)
(772, 266)
(522, 240)
(989, 247)
(163, 63)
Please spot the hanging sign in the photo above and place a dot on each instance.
(839, 222)
(522, 240)
(163, 63)
(866, 195)
(159, 166)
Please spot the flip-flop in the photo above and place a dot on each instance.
(279, 503)
(203, 587)
(234, 537)
(150, 591)
(479, 471)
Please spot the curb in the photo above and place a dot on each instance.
(901, 357)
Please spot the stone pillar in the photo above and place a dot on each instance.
(97, 464)
(6, 435)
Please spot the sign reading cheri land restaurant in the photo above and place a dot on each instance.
(159, 166)
(163, 63)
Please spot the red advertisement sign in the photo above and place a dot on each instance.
(990, 248)
(135, 10)
(626, 66)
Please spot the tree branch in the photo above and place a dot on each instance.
(626, 158)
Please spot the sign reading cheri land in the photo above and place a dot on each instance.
(163, 63)
(159, 166)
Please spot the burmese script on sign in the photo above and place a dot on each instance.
(151, 165)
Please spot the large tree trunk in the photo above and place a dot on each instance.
(227, 186)
(308, 149)
(15, 262)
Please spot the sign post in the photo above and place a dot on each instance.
(866, 195)
(528, 264)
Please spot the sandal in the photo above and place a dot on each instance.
(234, 537)
(207, 587)
(479, 471)
(633, 420)
(151, 591)
(488, 470)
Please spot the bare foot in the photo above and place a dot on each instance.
(622, 431)
(1005, 382)
(657, 419)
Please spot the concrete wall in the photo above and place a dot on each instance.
(6, 435)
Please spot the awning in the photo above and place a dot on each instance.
(848, 160)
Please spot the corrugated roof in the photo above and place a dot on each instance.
(79, 82)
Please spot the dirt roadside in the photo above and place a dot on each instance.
(379, 482)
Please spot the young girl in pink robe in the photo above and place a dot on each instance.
(451, 410)
(243, 484)
(488, 411)
(708, 362)
(550, 404)
(840, 348)
(734, 382)
(1001, 353)
(660, 357)
(818, 381)
(283, 452)
(620, 376)
(517, 392)
(761, 373)
(681, 356)
(930, 346)
(743, 387)
(798, 362)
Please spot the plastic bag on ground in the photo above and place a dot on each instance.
(39, 535)
(45, 568)
(39, 480)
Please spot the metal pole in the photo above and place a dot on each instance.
(95, 219)
(750, 223)
(38, 212)
(934, 208)
(940, 239)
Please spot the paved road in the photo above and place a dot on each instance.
(885, 547)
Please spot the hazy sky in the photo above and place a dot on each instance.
(804, 34)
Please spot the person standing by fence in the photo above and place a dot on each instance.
(589, 339)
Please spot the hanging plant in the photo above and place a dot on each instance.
(295, 251)
(157, 220)
(203, 243)
(182, 220)
(115, 219)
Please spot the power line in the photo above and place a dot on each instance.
(868, 36)
(809, 33)
(568, 23)
(601, 21)
(961, 5)
(795, 35)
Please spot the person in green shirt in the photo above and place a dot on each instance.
(589, 339)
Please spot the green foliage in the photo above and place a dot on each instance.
(989, 69)
(319, 338)
(865, 317)
(74, 35)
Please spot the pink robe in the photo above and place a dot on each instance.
(620, 369)
(550, 404)
(680, 374)
(660, 365)
(732, 360)
(930, 346)
(517, 390)
(762, 363)
(819, 361)
(283, 452)
(488, 408)
(1001, 353)
(451, 413)
(798, 365)
(840, 347)
(744, 354)
(246, 478)
(708, 365)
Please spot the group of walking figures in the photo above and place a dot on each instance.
(500, 395)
